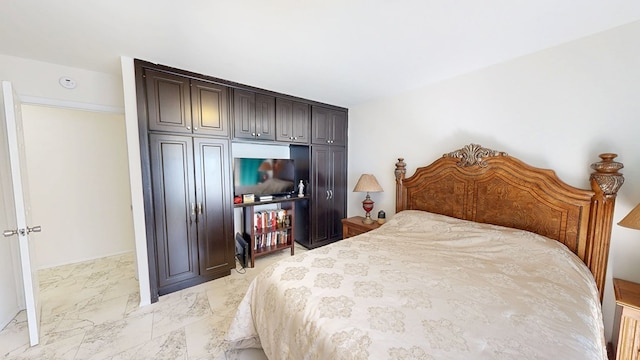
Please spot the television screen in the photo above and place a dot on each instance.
(263, 176)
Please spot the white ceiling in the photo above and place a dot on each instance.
(339, 52)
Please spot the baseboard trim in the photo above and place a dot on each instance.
(75, 261)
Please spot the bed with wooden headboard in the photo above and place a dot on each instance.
(486, 258)
(488, 186)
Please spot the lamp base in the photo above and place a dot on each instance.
(367, 220)
(367, 205)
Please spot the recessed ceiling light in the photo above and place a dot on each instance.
(67, 82)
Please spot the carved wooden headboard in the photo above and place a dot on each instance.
(488, 186)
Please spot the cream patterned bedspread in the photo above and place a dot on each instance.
(425, 286)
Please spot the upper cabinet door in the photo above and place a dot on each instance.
(284, 120)
(329, 127)
(265, 117)
(292, 121)
(300, 123)
(210, 109)
(244, 114)
(168, 102)
(320, 131)
(338, 128)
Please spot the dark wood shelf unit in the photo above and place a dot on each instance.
(274, 201)
(251, 231)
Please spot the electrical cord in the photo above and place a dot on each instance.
(243, 270)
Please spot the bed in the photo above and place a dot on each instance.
(486, 258)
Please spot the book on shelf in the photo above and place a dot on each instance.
(271, 228)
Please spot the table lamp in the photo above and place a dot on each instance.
(367, 183)
(632, 220)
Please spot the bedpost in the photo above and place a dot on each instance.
(605, 182)
(400, 173)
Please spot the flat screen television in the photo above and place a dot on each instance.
(260, 176)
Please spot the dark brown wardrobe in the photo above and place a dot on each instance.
(185, 132)
(187, 125)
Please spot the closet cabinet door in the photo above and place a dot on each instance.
(338, 206)
(320, 173)
(215, 212)
(174, 209)
(328, 196)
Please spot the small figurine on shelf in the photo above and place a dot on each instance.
(301, 189)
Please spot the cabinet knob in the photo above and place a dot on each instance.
(195, 129)
(188, 127)
(258, 134)
(253, 134)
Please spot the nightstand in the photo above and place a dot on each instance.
(627, 319)
(354, 226)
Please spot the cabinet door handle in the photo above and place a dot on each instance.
(330, 194)
(200, 208)
(327, 194)
(258, 134)
(195, 129)
(253, 134)
(193, 213)
(188, 127)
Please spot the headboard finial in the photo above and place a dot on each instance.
(474, 154)
(606, 174)
(400, 169)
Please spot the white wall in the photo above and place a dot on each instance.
(557, 109)
(79, 184)
(37, 81)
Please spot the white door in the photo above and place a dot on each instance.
(10, 298)
(13, 143)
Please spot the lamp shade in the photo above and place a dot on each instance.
(367, 183)
(632, 220)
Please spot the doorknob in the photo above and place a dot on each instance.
(8, 233)
(22, 232)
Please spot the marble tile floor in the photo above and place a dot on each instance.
(90, 310)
